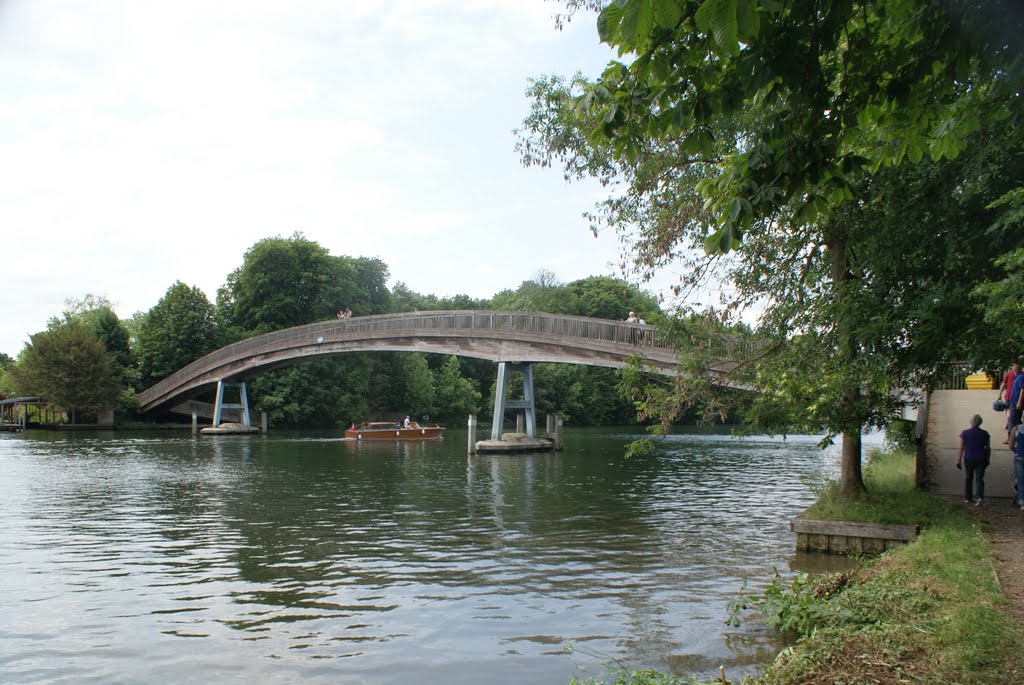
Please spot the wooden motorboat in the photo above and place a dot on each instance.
(385, 430)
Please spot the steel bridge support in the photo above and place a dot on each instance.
(220, 404)
(526, 404)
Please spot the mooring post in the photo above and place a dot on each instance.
(471, 424)
(263, 422)
(550, 428)
(195, 423)
(558, 431)
(519, 422)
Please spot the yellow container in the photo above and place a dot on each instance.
(980, 381)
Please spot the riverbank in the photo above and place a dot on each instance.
(946, 608)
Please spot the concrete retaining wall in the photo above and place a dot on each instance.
(848, 537)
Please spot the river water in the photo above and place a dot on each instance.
(156, 558)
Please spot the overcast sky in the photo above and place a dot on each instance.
(145, 142)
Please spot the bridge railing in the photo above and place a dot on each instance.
(562, 327)
(555, 325)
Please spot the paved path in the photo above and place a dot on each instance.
(949, 412)
(1005, 525)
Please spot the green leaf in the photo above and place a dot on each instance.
(609, 113)
(636, 26)
(718, 18)
(667, 13)
(608, 24)
(807, 212)
(748, 21)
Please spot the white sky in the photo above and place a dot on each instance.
(145, 142)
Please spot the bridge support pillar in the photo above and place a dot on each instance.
(220, 404)
(526, 404)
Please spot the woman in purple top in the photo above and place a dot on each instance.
(975, 451)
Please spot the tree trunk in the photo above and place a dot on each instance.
(851, 480)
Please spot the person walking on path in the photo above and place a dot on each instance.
(1008, 378)
(1004, 394)
(1016, 402)
(1017, 442)
(975, 452)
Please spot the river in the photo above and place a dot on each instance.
(157, 557)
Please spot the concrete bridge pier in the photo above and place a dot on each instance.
(526, 404)
(220, 404)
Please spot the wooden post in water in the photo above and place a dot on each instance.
(263, 422)
(471, 447)
(519, 423)
(558, 431)
(195, 423)
(550, 428)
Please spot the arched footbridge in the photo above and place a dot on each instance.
(498, 336)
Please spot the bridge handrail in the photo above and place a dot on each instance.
(559, 325)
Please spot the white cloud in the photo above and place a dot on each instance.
(143, 143)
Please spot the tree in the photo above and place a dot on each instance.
(415, 384)
(179, 329)
(370, 279)
(610, 298)
(582, 395)
(321, 393)
(404, 299)
(287, 282)
(543, 293)
(454, 395)
(69, 367)
(6, 384)
(97, 315)
(754, 129)
(294, 281)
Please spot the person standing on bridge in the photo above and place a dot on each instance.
(975, 452)
(634, 333)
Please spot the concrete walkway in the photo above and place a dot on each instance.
(950, 412)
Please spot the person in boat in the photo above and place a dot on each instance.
(407, 423)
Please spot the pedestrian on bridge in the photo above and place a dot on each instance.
(974, 456)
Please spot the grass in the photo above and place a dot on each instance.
(929, 612)
(890, 497)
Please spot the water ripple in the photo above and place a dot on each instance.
(142, 559)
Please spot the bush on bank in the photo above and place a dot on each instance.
(928, 612)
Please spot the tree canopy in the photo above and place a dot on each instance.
(69, 367)
(177, 330)
(769, 146)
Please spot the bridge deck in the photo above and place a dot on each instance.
(494, 335)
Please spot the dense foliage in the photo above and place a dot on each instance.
(68, 366)
(776, 148)
(179, 329)
(284, 282)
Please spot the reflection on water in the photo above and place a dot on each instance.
(146, 558)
